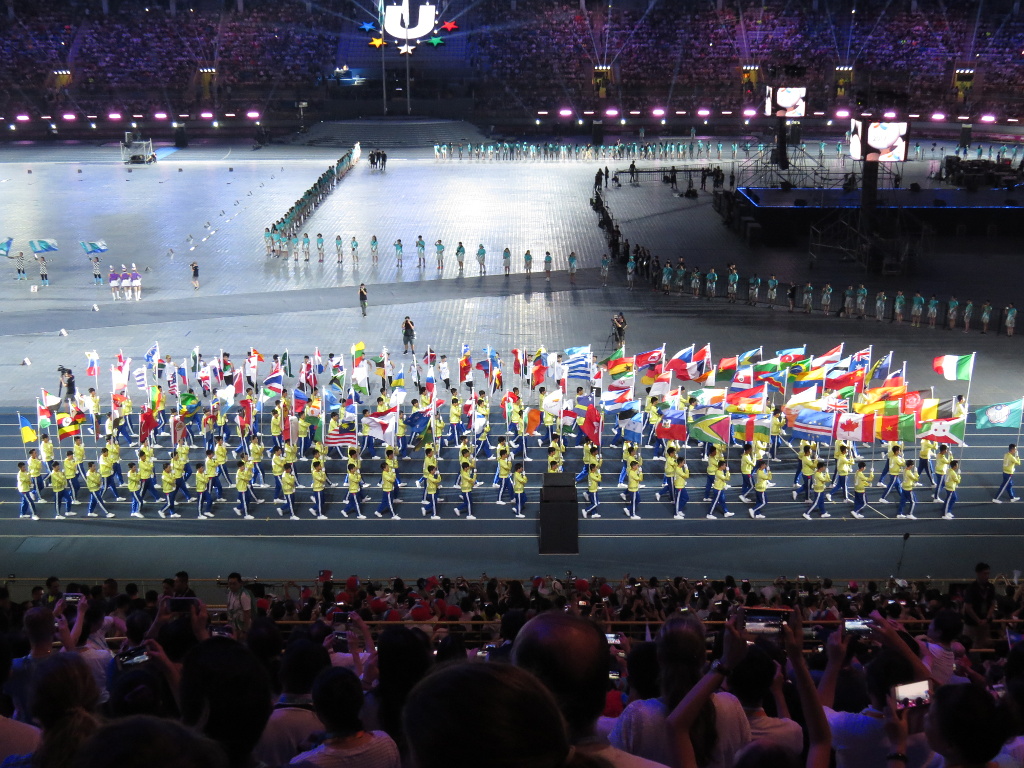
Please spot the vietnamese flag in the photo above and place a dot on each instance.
(147, 423)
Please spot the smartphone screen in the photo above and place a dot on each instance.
(764, 623)
(914, 698)
(857, 626)
(613, 638)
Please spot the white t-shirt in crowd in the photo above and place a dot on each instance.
(641, 730)
(859, 741)
(940, 661)
(17, 738)
(287, 731)
(1012, 755)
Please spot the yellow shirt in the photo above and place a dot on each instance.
(594, 481)
(288, 483)
(93, 481)
(167, 481)
(24, 481)
(762, 477)
(242, 478)
(277, 465)
(134, 481)
(909, 478)
(670, 466)
(256, 450)
(58, 482)
(942, 461)
(721, 479)
(114, 451)
(820, 481)
(1010, 462)
(467, 479)
(844, 464)
(861, 480)
(680, 476)
(518, 481)
(777, 423)
(504, 468)
(145, 466)
(291, 453)
(70, 467)
(387, 480)
(35, 467)
(747, 463)
(896, 463)
(46, 451)
(355, 480)
(319, 480)
(808, 464)
(275, 424)
(633, 478)
(429, 462)
(952, 480)
(79, 450)
(927, 449)
(220, 454)
(433, 482)
(202, 481)
(106, 466)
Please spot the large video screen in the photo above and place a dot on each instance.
(884, 142)
(785, 102)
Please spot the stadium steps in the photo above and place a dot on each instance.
(386, 134)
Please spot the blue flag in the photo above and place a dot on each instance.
(91, 247)
(632, 429)
(818, 426)
(42, 246)
(5, 247)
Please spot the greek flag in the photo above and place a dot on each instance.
(579, 362)
(90, 247)
(5, 247)
(42, 246)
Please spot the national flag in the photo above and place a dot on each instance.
(92, 368)
(747, 398)
(834, 355)
(255, 356)
(430, 357)
(621, 367)
(949, 431)
(662, 384)
(398, 380)
(858, 427)
(609, 400)
(553, 402)
(360, 380)
(672, 425)
(900, 427)
(299, 399)
(746, 429)
(358, 353)
(854, 378)
(152, 355)
(67, 426)
(226, 395)
(590, 424)
(860, 359)
(42, 246)
(429, 384)
(204, 377)
(139, 374)
(188, 404)
(43, 416)
(818, 426)
(954, 367)
(626, 410)
(775, 381)
(5, 247)
(766, 367)
(632, 428)
(613, 358)
(183, 375)
(119, 374)
(537, 374)
(742, 378)
(274, 384)
(518, 361)
(750, 356)
(880, 370)
(286, 362)
(318, 361)
(648, 358)
(579, 364)
(710, 429)
(147, 424)
(308, 375)
(49, 399)
(172, 382)
(792, 355)
(1000, 415)
(28, 435)
(466, 368)
(383, 428)
(728, 364)
(340, 437)
(812, 379)
(835, 403)
(709, 396)
(533, 419)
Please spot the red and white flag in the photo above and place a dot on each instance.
(859, 427)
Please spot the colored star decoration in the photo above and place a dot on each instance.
(367, 26)
(435, 41)
(449, 26)
(377, 42)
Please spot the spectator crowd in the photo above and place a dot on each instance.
(572, 672)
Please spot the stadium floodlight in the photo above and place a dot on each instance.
(22, 118)
(69, 116)
(658, 112)
(703, 112)
(114, 116)
(206, 115)
(988, 118)
(542, 112)
(842, 113)
(564, 112)
(938, 116)
(749, 112)
(611, 112)
(160, 116)
(889, 115)
(253, 115)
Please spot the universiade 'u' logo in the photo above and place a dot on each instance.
(398, 21)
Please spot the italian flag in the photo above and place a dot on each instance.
(954, 367)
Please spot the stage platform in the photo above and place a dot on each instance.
(935, 197)
(214, 210)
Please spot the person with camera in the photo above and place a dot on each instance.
(619, 329)
(408, 336)
(67, 384)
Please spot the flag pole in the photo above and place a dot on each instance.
(1020, 424)
(24, 445)
(967, 405)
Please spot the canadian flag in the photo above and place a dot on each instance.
(858, 427)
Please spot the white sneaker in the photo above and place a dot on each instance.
(884, 500)
(880, 484)
(795, 495)
(750, 512)
(395, 517)
(1015, 498)
(679, 516)
(807, 515)
(825, 514)
(137, 514)
(634, 517)
(360, 517)
(628, 512)
(729, 514)
(471, 517)
(997, 501)
(901, 517)
(857, 515)
(658, 496)
(828, 497)
(911, 517)
(91, 514)
(110, 514)
(378, 514)
(293, 517)
(948, 516)
(237, 510)
(58, 517)
(520, 515)
(759, 516)
(592, 515)
(503, 503)
(710, 516)
(174, 514)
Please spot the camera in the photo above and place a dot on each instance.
(61, 369)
